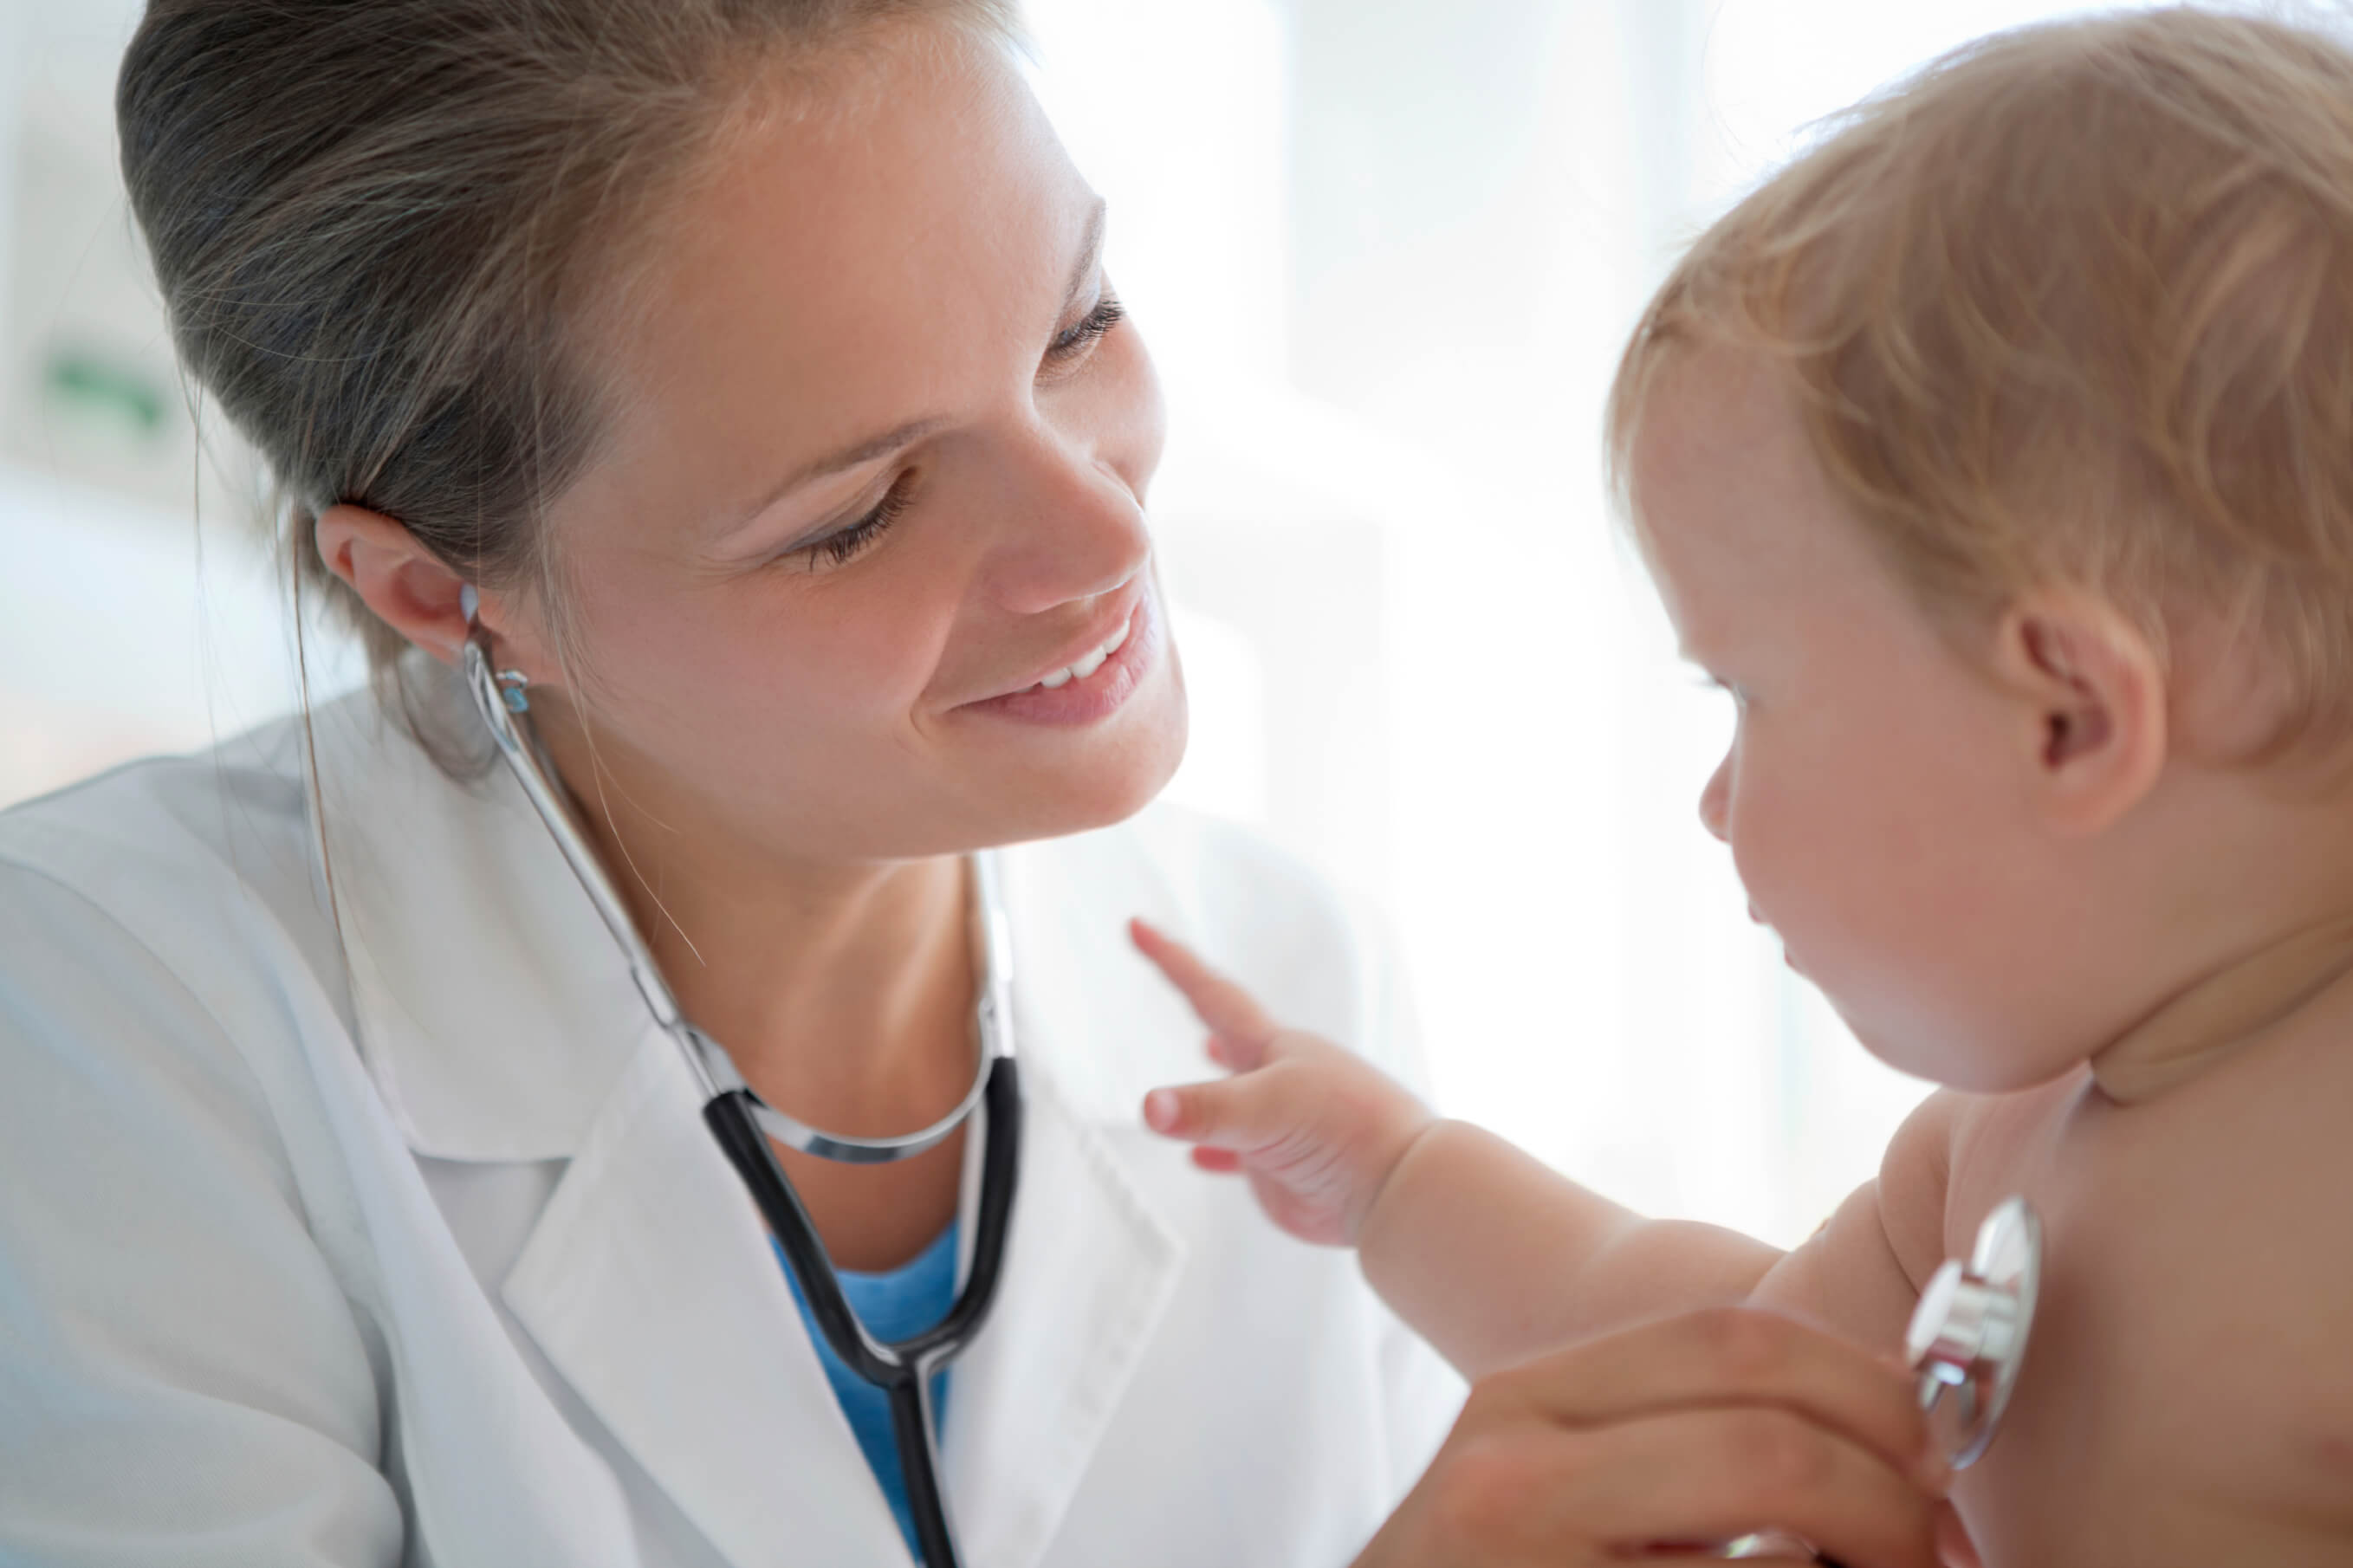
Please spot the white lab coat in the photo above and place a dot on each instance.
(429, 1261)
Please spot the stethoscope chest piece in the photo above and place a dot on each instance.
(1969, 1334)
(1967, 1341)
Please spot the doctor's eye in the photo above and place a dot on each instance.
(1090, 329)
(841, 546)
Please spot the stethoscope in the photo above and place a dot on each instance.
(1967, 1336)
(743, 1123)
(1965, 1345)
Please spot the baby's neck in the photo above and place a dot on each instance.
(2247, 999)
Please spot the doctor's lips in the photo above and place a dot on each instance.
(1093, 678)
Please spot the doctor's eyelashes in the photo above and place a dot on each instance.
(847, 543)
(1091, 327)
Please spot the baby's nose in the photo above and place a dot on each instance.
(1715, 802)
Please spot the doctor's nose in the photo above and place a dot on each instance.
(1715, 802)
(1076, 530)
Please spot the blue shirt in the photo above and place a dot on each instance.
(894, 1305)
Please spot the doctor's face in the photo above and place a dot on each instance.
(861, 572)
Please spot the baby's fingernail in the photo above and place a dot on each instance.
(1160, 1109)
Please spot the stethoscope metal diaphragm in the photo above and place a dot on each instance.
(1966, 1343)
(1969, 1334)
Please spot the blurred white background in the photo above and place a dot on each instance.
(1386, 252)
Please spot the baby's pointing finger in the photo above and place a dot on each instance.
(1233, 1013)
(1227, 1114)
(1184, 1112)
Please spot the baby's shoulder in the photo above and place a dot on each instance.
(1954, 1157)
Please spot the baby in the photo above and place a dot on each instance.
(1998, 458)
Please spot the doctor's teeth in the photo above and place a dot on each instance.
(1089, 665)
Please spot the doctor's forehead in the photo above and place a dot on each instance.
(833, 275)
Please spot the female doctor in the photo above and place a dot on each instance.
(754, 363)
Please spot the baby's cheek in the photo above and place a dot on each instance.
(1820, 889)
(1786, 859)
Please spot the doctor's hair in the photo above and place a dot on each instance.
(386, 231)
(2074, 306)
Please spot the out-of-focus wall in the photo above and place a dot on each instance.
(91, 393)
(137, 609)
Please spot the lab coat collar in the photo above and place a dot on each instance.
(1095, 1016)
(498, 1021)
(649, 1287)
(493, 1010)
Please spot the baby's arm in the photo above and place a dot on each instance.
(1485, 1252)
(1496, 1258)
(1860, 1274)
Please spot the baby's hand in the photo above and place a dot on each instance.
(1316, 1129)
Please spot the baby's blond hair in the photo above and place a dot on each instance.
(2075, 304)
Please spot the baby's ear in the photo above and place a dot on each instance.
(2092, 705)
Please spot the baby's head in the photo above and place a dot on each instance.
(1999, 455)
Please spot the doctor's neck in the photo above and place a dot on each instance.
(842, 991)
(842, 988)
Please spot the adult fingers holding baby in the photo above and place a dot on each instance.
(1659, 1443)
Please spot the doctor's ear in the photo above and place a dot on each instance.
(409, 588)
(2091, 704)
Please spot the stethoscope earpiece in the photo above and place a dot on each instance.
(513, 685)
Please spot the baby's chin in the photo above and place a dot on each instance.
(1971, 1059)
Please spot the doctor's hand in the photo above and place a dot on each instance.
(1316, 1129)
(1653, 1443)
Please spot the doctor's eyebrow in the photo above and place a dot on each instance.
(1091, 246)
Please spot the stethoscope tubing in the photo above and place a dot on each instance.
(903, 1369)
(742, 1125)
